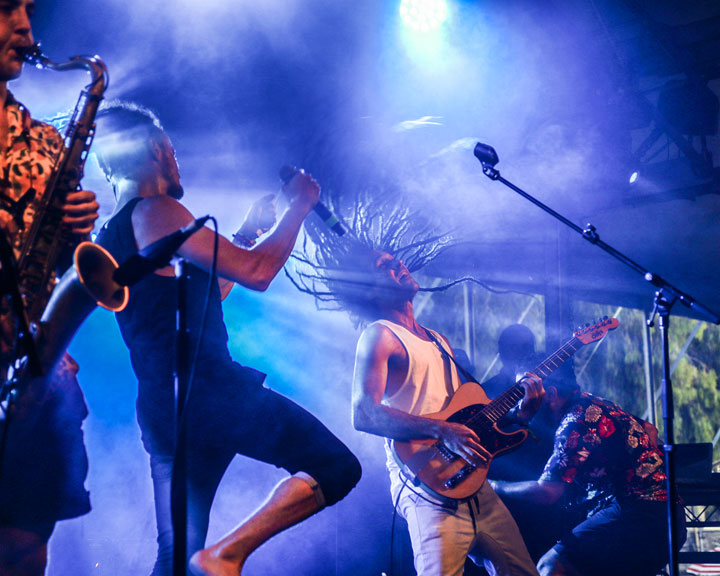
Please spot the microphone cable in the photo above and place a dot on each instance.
(392, 527)
(201, 333)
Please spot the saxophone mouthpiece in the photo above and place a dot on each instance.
(32, 54)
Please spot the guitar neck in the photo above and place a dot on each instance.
(496, 409)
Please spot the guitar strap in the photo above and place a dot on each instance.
(466, 373)
(510, 417)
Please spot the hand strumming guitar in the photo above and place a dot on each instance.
(462, 441)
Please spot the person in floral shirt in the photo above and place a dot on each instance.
(43, 463)
(605, 456)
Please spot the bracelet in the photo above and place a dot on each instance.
(240, 239)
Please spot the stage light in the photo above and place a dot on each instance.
(423, 15)
(634, 177)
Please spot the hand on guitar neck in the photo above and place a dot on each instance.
(532, 399)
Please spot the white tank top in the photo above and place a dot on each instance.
(430, 377)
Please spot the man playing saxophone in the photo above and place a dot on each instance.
(43, 463)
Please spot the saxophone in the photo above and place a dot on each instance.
(49, 241)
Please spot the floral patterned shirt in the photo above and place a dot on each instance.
(600, 448)
(28, 158)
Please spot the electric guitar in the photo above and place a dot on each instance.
(431, 465)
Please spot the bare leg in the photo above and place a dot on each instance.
(292, 501)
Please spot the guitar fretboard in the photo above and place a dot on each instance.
(496, 409)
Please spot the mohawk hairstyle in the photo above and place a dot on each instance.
(125, 129)
(140, 113)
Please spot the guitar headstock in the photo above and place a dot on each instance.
(594, 332)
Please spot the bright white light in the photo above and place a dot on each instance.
(634, 177)
(423, 15)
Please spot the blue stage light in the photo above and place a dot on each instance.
(423, 15)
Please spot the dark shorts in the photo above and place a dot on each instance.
(627, 538)
(44, 463)
(231, 412)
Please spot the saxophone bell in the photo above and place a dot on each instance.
(84, 286)
(95, 267)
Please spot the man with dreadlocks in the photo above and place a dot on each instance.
(402, 372)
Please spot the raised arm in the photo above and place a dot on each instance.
(158, 216)
(260, 218)
(376, 349)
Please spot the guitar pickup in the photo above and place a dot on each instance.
(459, 477)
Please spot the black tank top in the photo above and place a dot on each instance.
(148, 322)
(147, 326)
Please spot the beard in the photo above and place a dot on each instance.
(171, 172)
(176, 191)
(394, 295)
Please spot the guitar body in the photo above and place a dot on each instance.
(430, 465)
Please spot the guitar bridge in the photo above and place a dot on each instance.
(446, 453)
(459, 477)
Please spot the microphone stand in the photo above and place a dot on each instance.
(146, 261)
(665, 296)
(178, 482)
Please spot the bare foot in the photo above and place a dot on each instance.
(205, 563)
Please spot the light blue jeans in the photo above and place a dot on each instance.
(442, 538)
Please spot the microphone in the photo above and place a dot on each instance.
(155, 255)
(486, 154)
(331, 221)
